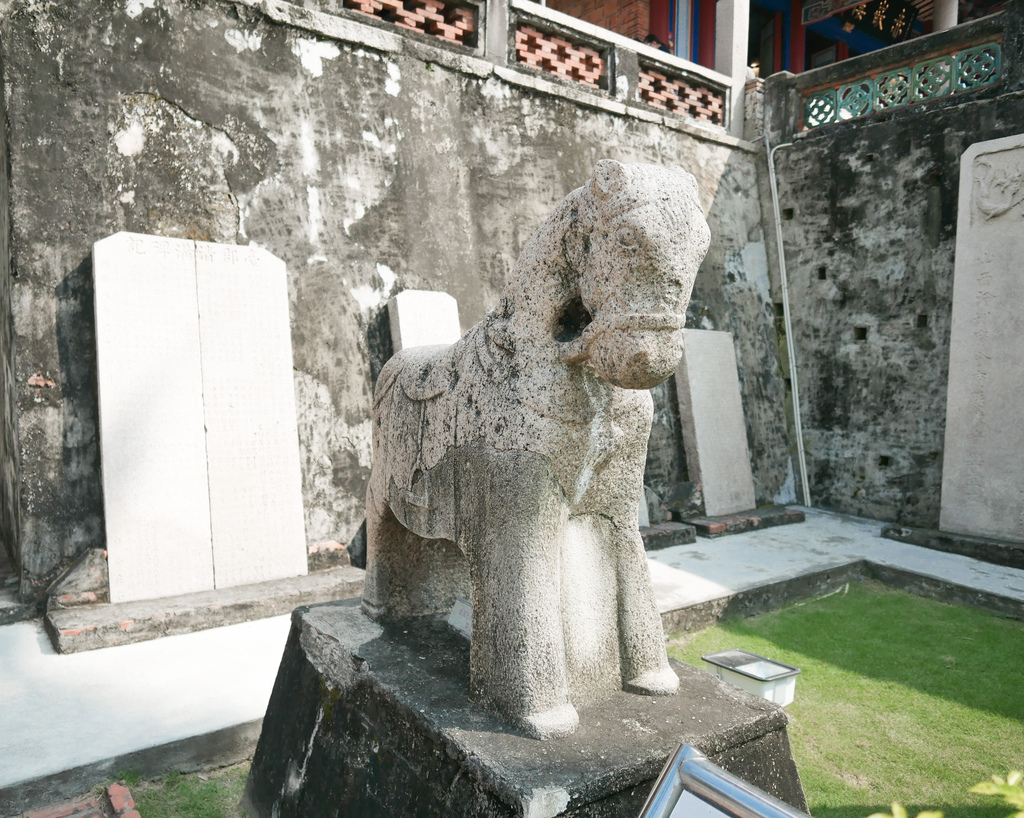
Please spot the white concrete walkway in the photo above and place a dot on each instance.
(686, 575)
(61, 712)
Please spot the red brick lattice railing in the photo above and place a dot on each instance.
(680, 96)
(447, 21)
(559, 56)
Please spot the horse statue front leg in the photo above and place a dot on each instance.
(512, 513)
(645, 667)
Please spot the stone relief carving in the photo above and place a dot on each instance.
(508, 466)
(999, 183)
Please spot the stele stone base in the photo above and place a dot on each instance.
(368, 720)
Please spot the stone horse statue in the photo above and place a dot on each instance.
(508, 467)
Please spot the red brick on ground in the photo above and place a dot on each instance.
(121, 801)
(117, 803)
(745, 521)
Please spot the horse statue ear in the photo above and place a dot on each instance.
(609, 177)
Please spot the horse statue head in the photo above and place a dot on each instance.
(606, 280)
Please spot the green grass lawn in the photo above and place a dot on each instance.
(901, 698)
(213, 794)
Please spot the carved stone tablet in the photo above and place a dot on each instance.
(711, 414)
(422, 318)
(983, 461)
(198, 437)
(249, 394)
(152, 444)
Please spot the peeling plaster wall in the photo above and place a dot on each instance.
(869, 245)
(367, 172)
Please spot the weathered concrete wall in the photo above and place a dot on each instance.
(869, 226)
(366, 171)
(10, 526)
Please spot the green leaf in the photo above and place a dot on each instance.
(898, 811)
(986, 788)
(1014, 777)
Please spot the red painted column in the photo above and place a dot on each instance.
(660, 26)
(797, 37)
(706, 35)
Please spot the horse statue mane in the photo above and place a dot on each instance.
(508, 466)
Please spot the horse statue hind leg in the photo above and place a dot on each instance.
(509, 465)
(414, 567)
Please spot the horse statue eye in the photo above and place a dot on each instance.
(627, 236)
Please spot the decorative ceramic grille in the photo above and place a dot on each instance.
(681, 96)
(559, 56)
(446, 21)
(972, 68)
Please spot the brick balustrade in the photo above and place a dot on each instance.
(559, 56)
(447, 21)
(551, 43)
(681, 96)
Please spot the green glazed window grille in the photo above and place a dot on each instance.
(972, 68)
(933, 79)
(976, 67)
(892, 89)
(855, 99)
(820, 108)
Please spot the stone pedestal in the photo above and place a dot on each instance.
(367, 720)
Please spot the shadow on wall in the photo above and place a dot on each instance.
(379, 345)
(80, 516)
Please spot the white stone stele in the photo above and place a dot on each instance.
(983, 458)
(155, 491)
(251, 435)
(422, 318)
(713, 427)
(200, 461)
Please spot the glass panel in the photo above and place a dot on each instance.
(762, 670)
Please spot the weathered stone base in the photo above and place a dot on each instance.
(745, 521)
(372, 721)
(87, 627)
(998, 552)
(663, 535)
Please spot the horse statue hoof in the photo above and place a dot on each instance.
(660, 682)
(557, 722)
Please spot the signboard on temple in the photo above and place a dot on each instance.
(814, 10)
(887, 20)
(855, 12)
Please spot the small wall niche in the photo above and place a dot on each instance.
(860, 333)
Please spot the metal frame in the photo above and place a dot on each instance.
(688, 770)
